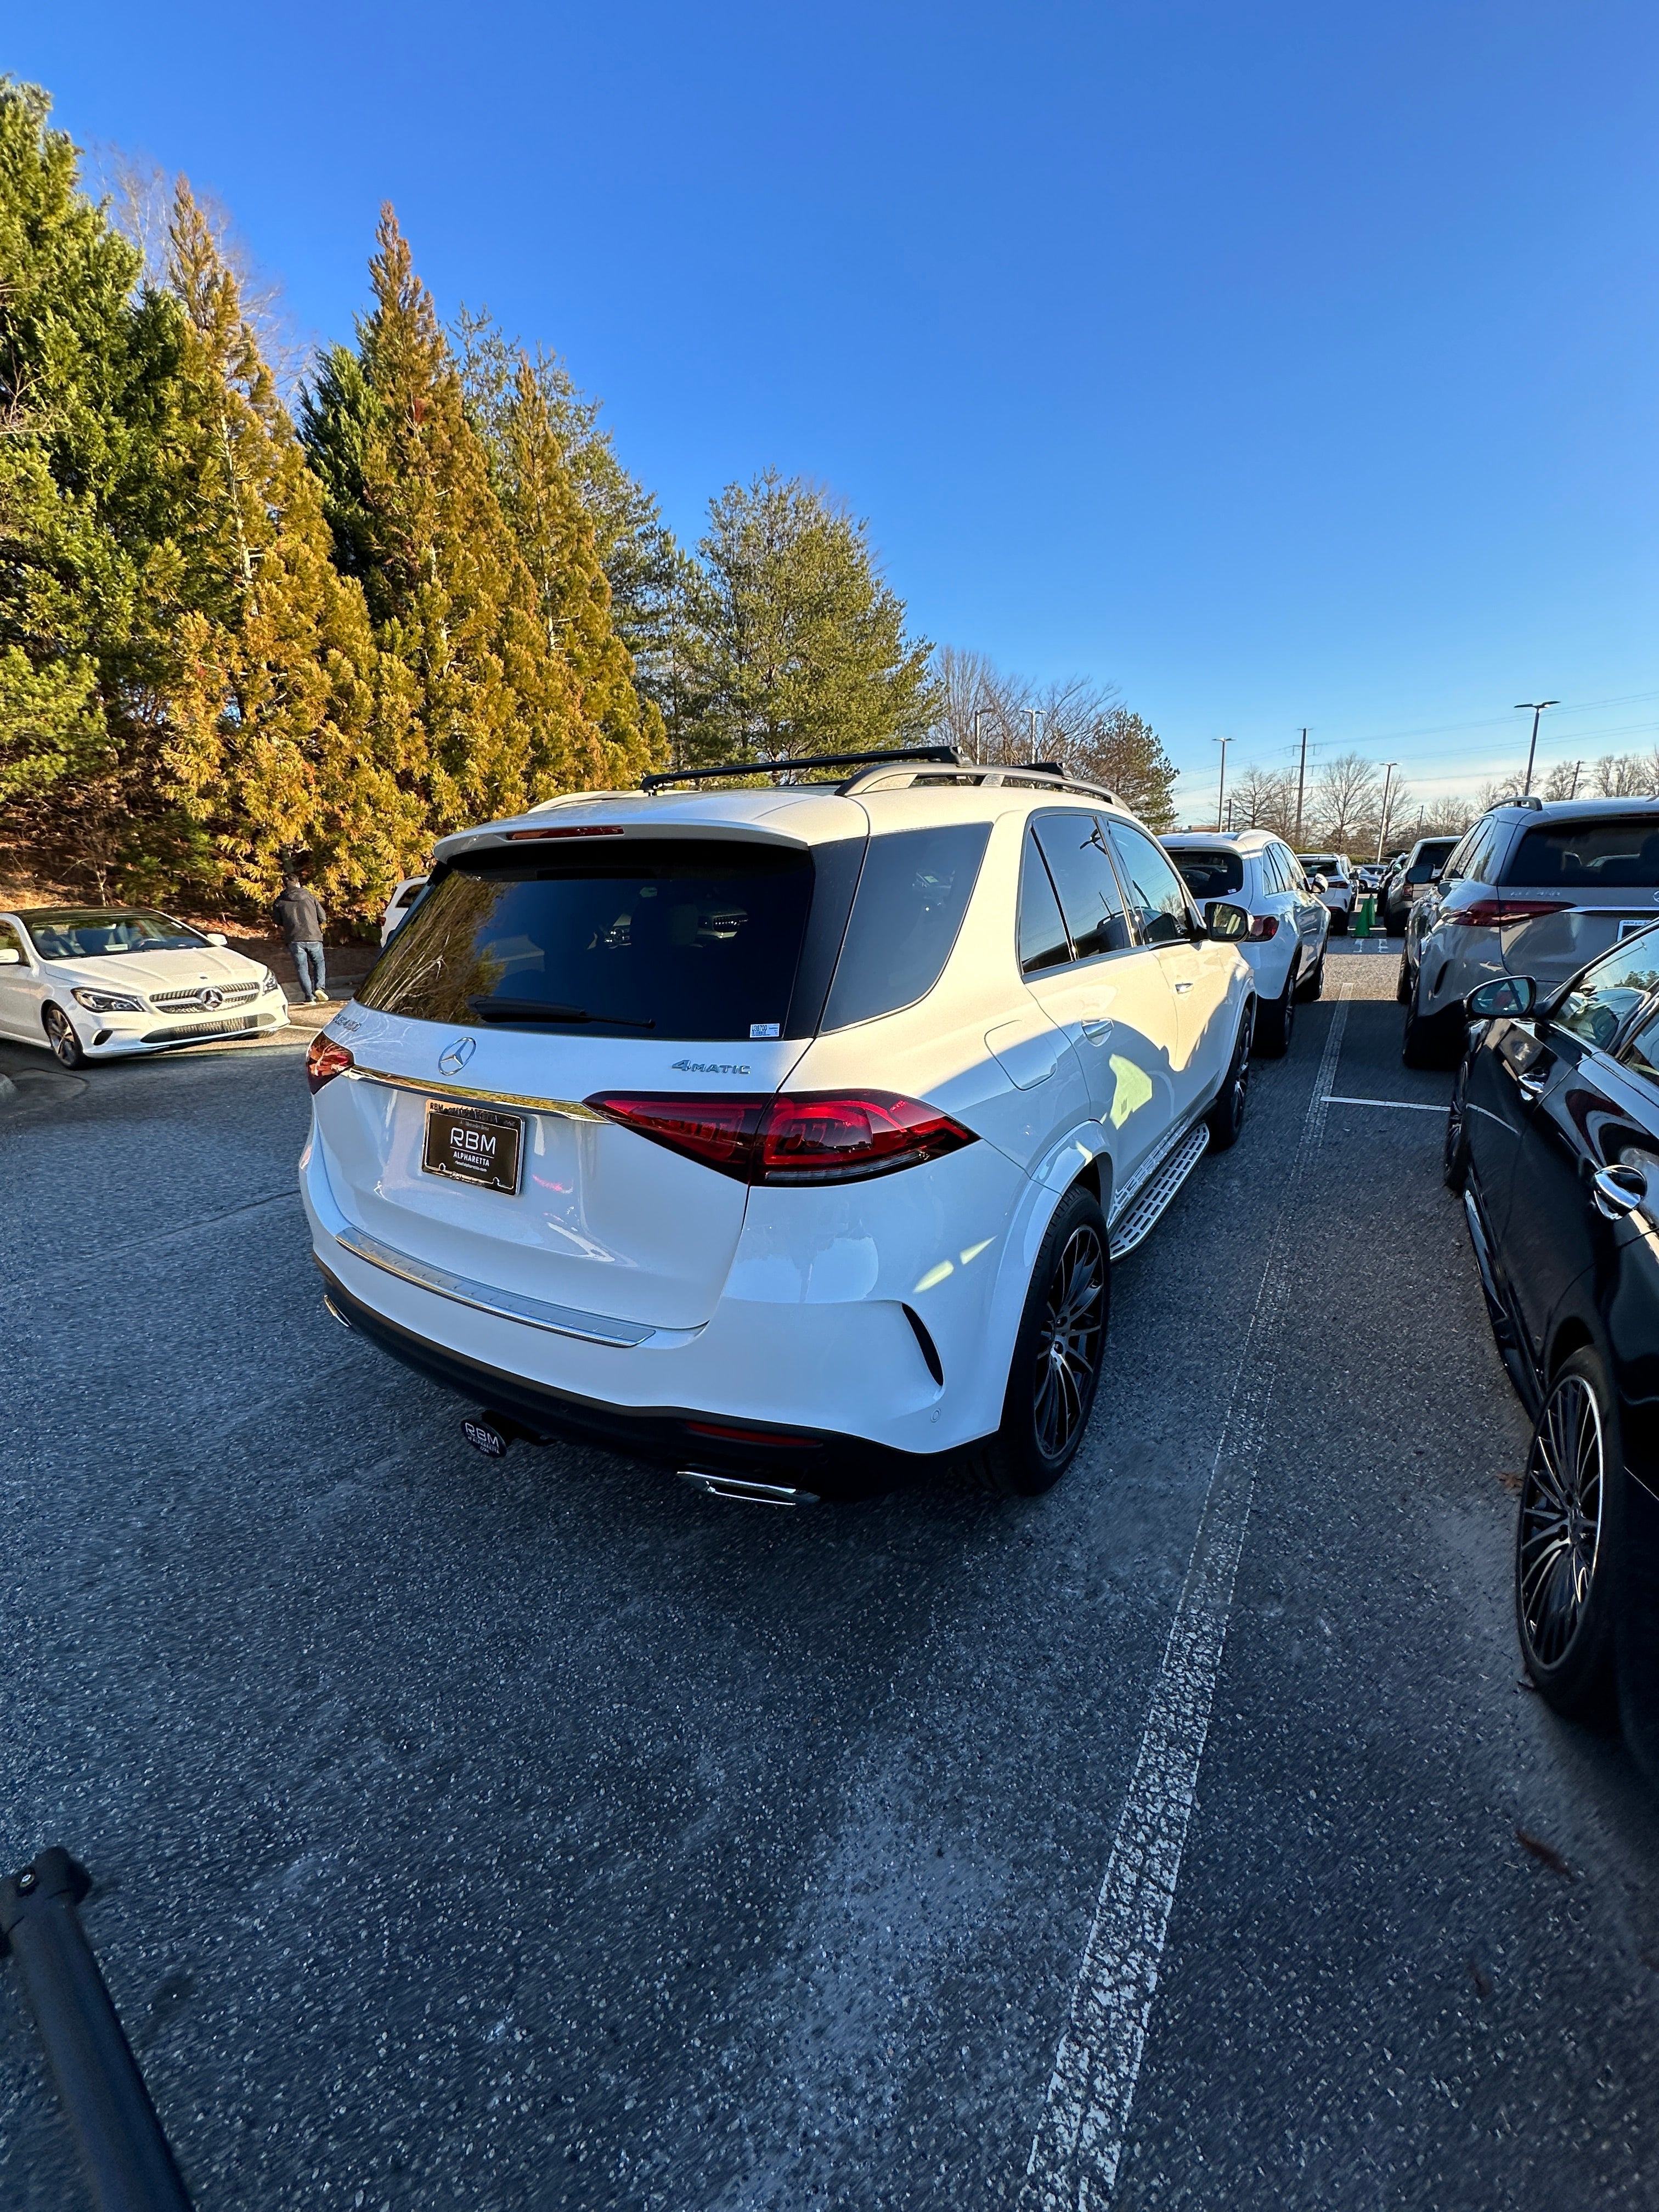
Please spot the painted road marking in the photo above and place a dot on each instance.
(1079, 2138)
(1402, 1105)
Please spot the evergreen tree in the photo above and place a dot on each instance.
(287, 734)
(89, 579)
(417, 519)
(795, 643)
(1120, 750)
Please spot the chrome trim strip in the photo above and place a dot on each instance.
(561, 1320)
(572, 1108)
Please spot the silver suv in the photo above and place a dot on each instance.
(1532, 890)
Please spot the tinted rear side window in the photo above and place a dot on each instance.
(1588, 856)
(1210, 875)
(695, 939)
(1155, 891)
(912, 896)
(1042, 939)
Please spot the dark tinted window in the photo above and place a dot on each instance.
(1042, 939)
(1090, 897)
(1588, 856)
(1156, 894)
(1642, 1053)
(1610, 990)
(697, 938)
(1211, 874)
(912, 894)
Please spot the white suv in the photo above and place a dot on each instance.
(782, 1135)
(1289, 921)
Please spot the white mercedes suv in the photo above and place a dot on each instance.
(780, 1135)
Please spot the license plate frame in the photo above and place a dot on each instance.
(485, 1163)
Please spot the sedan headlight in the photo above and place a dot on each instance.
(108, 1002)
(268, 983)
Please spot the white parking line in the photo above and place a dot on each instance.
(1079, 2138)
(1402, 1105)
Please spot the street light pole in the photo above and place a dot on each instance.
(1301, 780)
(979, 750)
(1536, 708)
(1383, 826)
(1221, 792)
(1033, 711)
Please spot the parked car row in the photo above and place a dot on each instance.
(1290, 919)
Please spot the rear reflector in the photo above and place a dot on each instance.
(325, 1060)
(1500, 913)
(814, 1137)
(764, 1439)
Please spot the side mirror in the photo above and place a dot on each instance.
(1321, 883)
(1514, 995)
(1435, 874)
(10, 956)
(217, 937)
(1228, 923)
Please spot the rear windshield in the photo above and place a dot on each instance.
(1588, 856)
(695, 939)
(912, 896)
(1210, 875)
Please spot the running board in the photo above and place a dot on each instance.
(1159, 1187)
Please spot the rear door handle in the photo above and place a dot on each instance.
(1184, 987)
(1531, 1088)
(1618, 1191)
(1096, 1028)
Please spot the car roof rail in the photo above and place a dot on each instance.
(945, 756)
(1039, 775)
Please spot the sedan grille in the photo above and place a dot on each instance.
(230, 994)
(216, 1026)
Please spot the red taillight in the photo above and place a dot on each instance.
(567, 830)
(1499, 913)
(325, 1060)
(815, 1137)
(1263, 926)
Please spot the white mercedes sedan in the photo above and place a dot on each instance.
(103, 982)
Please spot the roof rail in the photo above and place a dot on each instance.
(1041, 775)
(946, 755)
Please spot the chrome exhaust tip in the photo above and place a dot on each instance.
(740, 1488)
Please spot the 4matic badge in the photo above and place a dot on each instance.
(712, 1067)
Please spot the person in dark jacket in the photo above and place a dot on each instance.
(300, 918)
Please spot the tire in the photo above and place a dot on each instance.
(1339, 921)
(1566, 1542)
(1273, 1032)
(1312, 986)
(1402, 989)
(1431, 1040)
(1226, 1117)
(1454, 1155)
(1050, 1395)
(60, 1035)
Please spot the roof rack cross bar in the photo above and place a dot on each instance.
(945, 755)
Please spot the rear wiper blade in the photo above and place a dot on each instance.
(538, 1010)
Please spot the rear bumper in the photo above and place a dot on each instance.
(821, 1462)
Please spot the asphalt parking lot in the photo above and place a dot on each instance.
(539, 1834)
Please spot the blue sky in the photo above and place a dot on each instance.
(1280, 364)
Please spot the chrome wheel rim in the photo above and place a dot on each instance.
(59, 1035)
(1242, 1072)
(1560, 1536)
(1454, 1123)
(1068, 1343)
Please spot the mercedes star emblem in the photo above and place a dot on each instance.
(455, 1057)
(209, 1000)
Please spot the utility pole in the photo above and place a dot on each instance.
(1221, 792)
(1301, 782)
(1576, 765)
(1383, 826)
(1536, 708)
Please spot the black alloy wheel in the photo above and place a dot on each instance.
(60, 1035)
(1272, 1037)
(1055, 1370)
(1566, 1534)
(1226, 1117)
(1313, 984)
(1431, 1040)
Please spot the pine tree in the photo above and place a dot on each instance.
(417, 519)
(1120, 750)
(89, 578)
(796, 644)
(288, 734)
